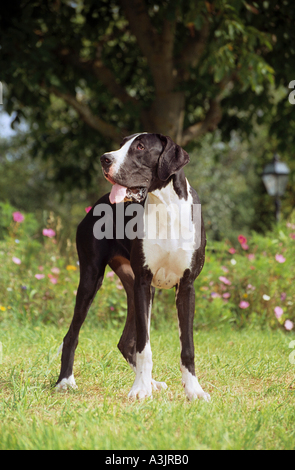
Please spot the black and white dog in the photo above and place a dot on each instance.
(146, 174)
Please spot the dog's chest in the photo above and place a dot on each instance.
(169, 240)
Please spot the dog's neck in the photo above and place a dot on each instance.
(177, 183)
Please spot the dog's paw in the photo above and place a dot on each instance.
(64, 384)
(195, 392)
(158, 385)
(140, 389)
(192, 388)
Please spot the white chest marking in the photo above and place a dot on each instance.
(169, 241)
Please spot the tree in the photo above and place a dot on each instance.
(86, 72)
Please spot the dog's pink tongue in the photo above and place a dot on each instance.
(118, 193)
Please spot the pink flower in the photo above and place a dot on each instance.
(226, 295)
(244, 304)
(283, 296)
(244, 246)
(55, 270)
(278, 312)
(48, 232)
(53, 280)
(224, 269)
(232, 251)
(16, 260)
(215, 295)
(110, 274)
(40, 268)
(292, 235)
(225, 280)
(112, 309)
(289, 325)
(251, 257)
(18, 217)
(88, 209)
(39, 276)
(280, 258)
(250, 287)
(242, 239)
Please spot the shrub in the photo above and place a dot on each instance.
(250, 283)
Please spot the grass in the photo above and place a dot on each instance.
(247, 372)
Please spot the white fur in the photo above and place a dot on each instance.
(191, 385)
(143, 383)
(120, 156)
(65, 383)
(168, 248)
(142, 387)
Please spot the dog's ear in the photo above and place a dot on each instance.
(172, 158)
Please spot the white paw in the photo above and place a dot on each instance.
(193, 394)
(193, 390)
(192, 387)
(140, 389)
(65, 383)
(158, 385)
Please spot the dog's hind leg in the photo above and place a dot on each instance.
(90, 281)
(92, 258)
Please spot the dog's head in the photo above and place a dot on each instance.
(142, 161)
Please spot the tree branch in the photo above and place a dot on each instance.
(99, 70)
(214, 114)
(209, 124)
(108, 130)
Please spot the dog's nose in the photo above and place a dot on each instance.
(106, 160)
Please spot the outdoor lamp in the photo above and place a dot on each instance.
(275, 177)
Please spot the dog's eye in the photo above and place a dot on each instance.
(140, 147)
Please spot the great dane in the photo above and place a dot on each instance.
(165, 251)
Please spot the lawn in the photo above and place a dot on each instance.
(244, 337)
(246, 371)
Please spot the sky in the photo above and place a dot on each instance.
(5, 129)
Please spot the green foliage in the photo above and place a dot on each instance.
(38, 282)
(84, 60)
(260, 276)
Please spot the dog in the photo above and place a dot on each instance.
(145, 173)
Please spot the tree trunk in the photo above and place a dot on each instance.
(166, 115)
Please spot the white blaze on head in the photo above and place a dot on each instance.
(119, 156)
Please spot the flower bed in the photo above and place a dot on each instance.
(251, 283)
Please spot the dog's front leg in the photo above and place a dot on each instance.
(142, 386)
(185, 302)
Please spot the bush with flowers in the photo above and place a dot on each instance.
(250, 283)
(38, 281)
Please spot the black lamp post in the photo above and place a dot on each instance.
(275, 177)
